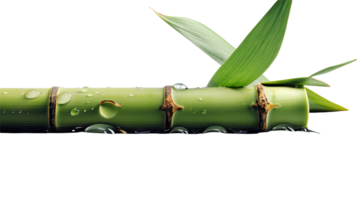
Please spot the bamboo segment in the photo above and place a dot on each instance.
(293, 106)
(148, 109)
(24, 108)
(140, 110)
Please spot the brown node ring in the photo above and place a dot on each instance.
(169, 106)
(263, 106)
(52, 109)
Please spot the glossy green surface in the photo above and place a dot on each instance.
(24, 107)
(294, 107)
(138, 109)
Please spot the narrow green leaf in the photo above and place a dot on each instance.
(204, 38)
(319, 104)
(329, 69)
(258, 50)
(307, 80)
(297, 81)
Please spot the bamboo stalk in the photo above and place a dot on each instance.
(153, 109)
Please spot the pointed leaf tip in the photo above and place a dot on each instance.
(149, 7)
(257, 51)
(152, 8)
(318, 103)
(201, 36)
(330, 69)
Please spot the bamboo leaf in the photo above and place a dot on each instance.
(204, 38)
(307, 80)
(329, 69)
(319, 104)
(258, 50)
(297, 81)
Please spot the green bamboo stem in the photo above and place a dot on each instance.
(141, 109)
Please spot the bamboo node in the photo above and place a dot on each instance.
(263, 106)
(169, 106)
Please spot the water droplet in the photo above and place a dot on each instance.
(108, 109)
(73, 130)
(31, 94)
(179, 86)
(20, 111)
(179, 130)
(6, 93)
(131, 95)
(200, 99)
(75, 111)
(204, 112)
(64, 98)
(92, 108)
(85, 110)
(215, 130)
(103, 129)
(85, 89)
(89, 95)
